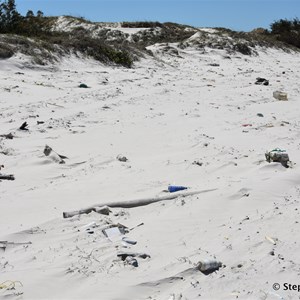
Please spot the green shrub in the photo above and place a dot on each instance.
(287, 31)
(89, 46)
(5, 51)
(9, 16)
(242, 48)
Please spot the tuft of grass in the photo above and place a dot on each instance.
(167, 33)
(5, 51)
(37, 32)
(92, 47)
(242, 48)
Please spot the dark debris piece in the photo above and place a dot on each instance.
(8, 136)
(7, 177)
(262, 81)
(83, 86)
(132, 261)
(124, 255)
(24, 126)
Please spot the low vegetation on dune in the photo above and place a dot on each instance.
(287, 31)
(141, 24)
(40, 37)
(33, 32)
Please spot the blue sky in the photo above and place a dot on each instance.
(234, 14)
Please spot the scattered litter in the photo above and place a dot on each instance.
(111, 233)
(24, 126)
(208, 266)
(89, 227)
(131, 261)
(83, 86)
(268, 125)
(54, 104)
(48, 151)
(262, 81)
(271, 240)
(260, 115)
(214, 65)
(280, 95)
(40, 122)
(129, 241)
(198, 163)
(7, 177)
(280, 257)
(176, 188)
(247, 125)
(278, 155)
(115, 231)
(104, 210)
(4, 244)
(122, 158)
(8, 136)
(9, 284)
(235, 294)
(123, 255)
(284, 122)
(137, 226)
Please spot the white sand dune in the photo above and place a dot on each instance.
(163, 115)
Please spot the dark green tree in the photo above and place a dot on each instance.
(29, 14)
(9, 16)
(287, 31)
(281, 26)
(39, 14)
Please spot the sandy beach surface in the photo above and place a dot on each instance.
(197, 120)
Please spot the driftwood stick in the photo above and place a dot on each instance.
(4, 244)
(55, 104)
(15, 243)
(132, 203)
(7, 177)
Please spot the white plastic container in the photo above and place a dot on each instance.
(282, 96)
